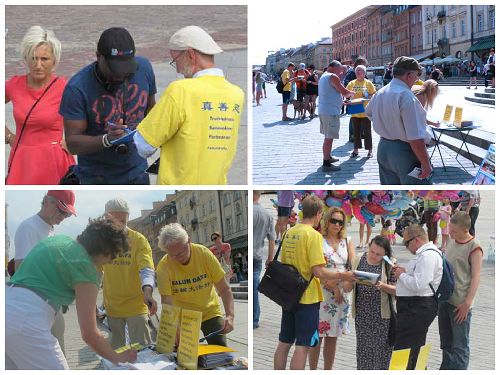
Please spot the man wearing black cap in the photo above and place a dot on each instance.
(103, 102)
(57, 205)
(400, 120)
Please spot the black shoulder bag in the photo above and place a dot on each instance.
(283, 283)
(25, 121)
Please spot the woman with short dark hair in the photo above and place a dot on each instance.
(57, 271)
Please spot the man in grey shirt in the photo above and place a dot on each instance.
(263, 227)
(400, 120)
(330, 93)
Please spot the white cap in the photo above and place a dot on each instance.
(116, 205)
(196, 38)
(302, 66)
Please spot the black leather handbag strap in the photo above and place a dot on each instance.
(26, 120)
(278, 252)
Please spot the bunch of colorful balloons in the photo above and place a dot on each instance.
(365, 205)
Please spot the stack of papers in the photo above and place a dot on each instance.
(147, 359)
(211, 356)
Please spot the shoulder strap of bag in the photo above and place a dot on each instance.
(26, 120)
(279, 249)
(442, 258)
(387, 274)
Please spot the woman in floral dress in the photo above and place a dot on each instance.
(371, 309)
(335, 308)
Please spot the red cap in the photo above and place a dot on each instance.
(65, 200)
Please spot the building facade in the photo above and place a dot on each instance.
(416, 31)
(152, 220)
(321, 54)
(401, 36)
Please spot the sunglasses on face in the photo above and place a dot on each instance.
(336, 221)
(407, 242)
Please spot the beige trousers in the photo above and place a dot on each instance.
(138, 330)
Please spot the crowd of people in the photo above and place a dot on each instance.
(107, 114)
(52, 271)
(397, 112)
(396, 312)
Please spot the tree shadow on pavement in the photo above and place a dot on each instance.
(281, 123)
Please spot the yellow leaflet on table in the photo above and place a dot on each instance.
(170, 318)
(458, 117)
(399, 359)
(447, 113)
(187, 353)
(211, 349)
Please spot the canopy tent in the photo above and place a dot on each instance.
(485, 44)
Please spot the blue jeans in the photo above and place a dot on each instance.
(257, 268)
(395, 160)
(454, 338)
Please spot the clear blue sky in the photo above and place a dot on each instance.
(302, 22)
(89, 204)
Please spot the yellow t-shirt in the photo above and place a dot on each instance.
(303, 248)
(284, 77)
(122, 287)
(357, 87)
(192, 285)
(196, 125)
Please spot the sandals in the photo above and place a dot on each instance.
(369, 155)
(354, 155)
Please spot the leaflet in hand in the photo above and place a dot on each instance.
(126, 138)
(366, 278)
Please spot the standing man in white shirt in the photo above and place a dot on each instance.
(57, 205)
(400, 120)
(416, 304)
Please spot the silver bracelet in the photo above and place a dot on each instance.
(105, 142)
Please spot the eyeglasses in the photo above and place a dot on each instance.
(336, 221)
(62, 212)
(214, 238)
(407, 242)
(172, 63)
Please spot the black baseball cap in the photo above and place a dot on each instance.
(118, 48)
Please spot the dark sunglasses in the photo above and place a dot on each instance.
(407, 242)
(214, 238)
(335, 221)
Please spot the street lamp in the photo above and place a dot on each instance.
(429, 18)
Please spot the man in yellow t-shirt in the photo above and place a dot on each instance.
(196, 121)
(287, 78)
(190, 277)
(302, 247)
(362, 125)
(128, 284)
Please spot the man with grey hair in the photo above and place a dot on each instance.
(128, 284)
(196, 121)
(400, 120)
(190, 277)
(57, 205)
(330, 93)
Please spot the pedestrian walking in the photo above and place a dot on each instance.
(470, 202)
(287, 79)
(473, 74)
(222, 251)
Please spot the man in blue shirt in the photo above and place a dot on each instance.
(101, 103)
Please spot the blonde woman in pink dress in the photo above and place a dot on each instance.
(444, 222)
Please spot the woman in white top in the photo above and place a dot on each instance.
(335, 309)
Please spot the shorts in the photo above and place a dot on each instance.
(300, 95)
(329, 126)
(286, 97)
(284, 211)
(300, 326)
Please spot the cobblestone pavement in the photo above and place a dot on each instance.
(81, 357)
(482, 340)
(290, 153)
(151, 27)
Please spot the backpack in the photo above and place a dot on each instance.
(447, 284)
(279, 85)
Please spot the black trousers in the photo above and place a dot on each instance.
(414, 316)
